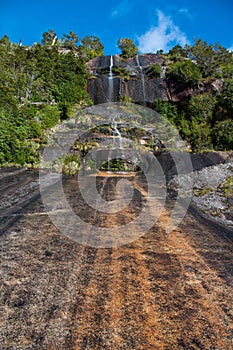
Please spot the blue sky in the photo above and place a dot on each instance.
(153, 25)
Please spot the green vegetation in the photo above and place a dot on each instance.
(155, 71)
(121, 72)
(118, 165)
(227, 187)
(126, 99)
(203, 191)
(204, 117)
(44, 84)
(211, 60)
(127, 47)
(177, 53)
(71, 164)
(185, 73)
(39, 86)
(91, 47)
(222, 135)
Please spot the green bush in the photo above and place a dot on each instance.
(126, 99)
(227, 187)
(222, 135)
(121, 72)
(201, 107)
(166, 109)
(186, 73)
(177, 53)
(71, 164)
(155, 71)
(50, 116)
(127, 47)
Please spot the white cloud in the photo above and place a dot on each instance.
(163, 37)
(122, 9)
(230, 48)
(184, 11)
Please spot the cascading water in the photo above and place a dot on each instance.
(117, 133)
(163, 71)
(116, 143)
(142, 79)
(110, 81)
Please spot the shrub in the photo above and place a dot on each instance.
(71, 164)
(222, 135)
(127, 47)
(155, 71)
(185, 72)
(50, 116)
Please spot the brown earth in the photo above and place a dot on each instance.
(163, 291)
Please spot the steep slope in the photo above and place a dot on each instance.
(163, 291)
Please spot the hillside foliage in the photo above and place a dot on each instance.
(42, 84)
(127, 47)
(39, 86)
(205, 117)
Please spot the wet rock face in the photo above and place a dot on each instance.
(130, 79)
(98, 89)
(131, 64)
(99, 62)
(154, 88)
(133, 78)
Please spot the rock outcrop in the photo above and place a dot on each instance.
(131, 78)
(211, 190)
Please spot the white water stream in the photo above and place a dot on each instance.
(117, 144)
(142, 79)
(110, 81)
(117, 133)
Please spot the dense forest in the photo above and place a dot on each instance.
(40, 86)
(204, 119)
(45, 83)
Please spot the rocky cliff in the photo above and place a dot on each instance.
(131, 78)
(134, 79)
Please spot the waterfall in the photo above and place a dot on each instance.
(142, 79)
(163, 71)
(113, 153)
(117, 133)
(109, 159)
(110, 81)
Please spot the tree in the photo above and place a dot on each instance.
(91, 47)
(70, 40)
(200, 135)
(127, 47)
(185, 72)
(210, 59)
(155, 71)
(203, 54)
(226, 95)
(7, 86)
(177, 53)
(200, 114)
(227, 70)
(222, 135)
(166, 109)
(5, 41)
(49, 38)
(201, 107)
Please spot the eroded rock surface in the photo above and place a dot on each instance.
(164, 290)
(211, 189)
